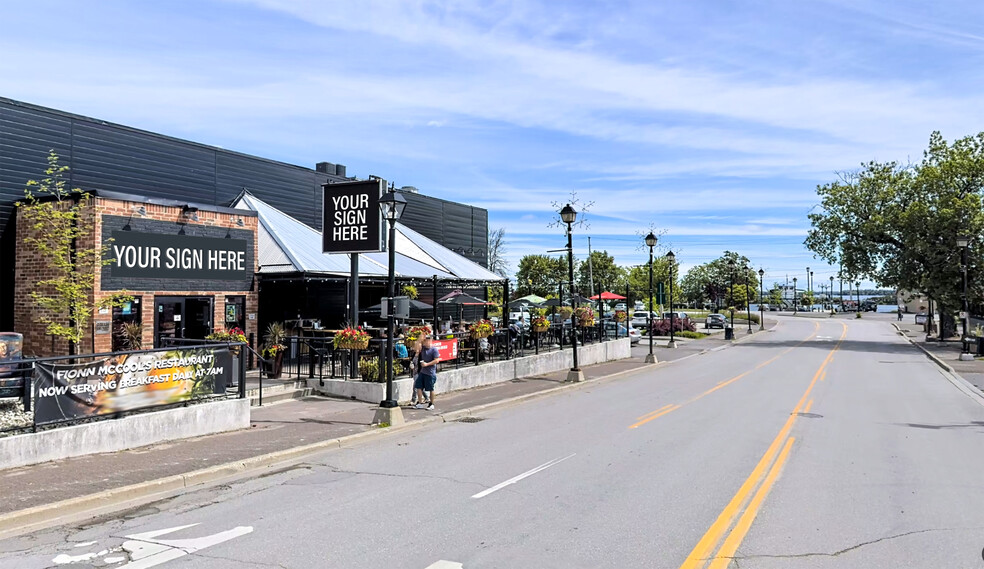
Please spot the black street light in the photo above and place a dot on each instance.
(731, 268)
(857, 289)
(794, 296)
(569, 215)
(391, 205)
(650, 242)
(964, 242)
(761, 310)
(812, 283)
(671, 260)
(830, 295)
(808, 273)
(748, 299)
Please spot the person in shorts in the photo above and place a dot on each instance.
(426, 377)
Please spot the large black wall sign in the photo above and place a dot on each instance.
(352, 222)
(155, 255)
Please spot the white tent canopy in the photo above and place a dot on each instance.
(287, 245)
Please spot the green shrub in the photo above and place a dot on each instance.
(689, 334)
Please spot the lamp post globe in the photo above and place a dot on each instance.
(650, 242)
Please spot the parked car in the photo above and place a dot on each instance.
(632, 333)
(764, 308)
(640, 319)
(715, 321)
(620, 306)
(676, 315)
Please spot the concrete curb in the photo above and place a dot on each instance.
(968, 388)
(107, 501)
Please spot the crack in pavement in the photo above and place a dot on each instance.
(251, 563)
(736, 558)
(337, 470)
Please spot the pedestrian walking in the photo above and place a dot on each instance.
(426, 378)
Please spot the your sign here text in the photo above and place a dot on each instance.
(350, 218)
(151, 257)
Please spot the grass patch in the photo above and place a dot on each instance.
(383, 425)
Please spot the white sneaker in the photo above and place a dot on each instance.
(418, 406)
(430, 407)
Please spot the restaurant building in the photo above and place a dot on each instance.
(187, 238)
(189, 269)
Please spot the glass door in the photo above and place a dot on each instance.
(168, 319)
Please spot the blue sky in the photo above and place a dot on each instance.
(711, 122)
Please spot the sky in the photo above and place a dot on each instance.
(709, 122)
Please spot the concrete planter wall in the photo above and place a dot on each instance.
(120, 434)
(469, 376)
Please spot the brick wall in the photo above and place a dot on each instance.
(155, 219)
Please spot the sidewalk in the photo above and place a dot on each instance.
(948, 351)
(274, 428)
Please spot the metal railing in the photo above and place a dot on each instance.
(18, 380)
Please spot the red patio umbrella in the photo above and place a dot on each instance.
(608, 296)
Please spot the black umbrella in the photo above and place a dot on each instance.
(553, 302)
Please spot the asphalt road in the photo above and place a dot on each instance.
(822, 443)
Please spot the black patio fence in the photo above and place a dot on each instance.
(316, 357)
(66, 390)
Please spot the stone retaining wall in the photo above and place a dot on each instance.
(469, 376)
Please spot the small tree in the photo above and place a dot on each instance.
(57, 219)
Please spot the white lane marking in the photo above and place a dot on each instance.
(526, 474)
(442, 564)
(147, 551)
(86, 544)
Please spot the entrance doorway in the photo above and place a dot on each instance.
(182, 317)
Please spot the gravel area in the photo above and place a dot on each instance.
(12, 415)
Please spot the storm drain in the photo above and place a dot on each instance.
(471, 419)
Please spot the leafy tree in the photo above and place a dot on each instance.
(601, 268)
(497, 252)
(806, 299)
(540, 274)
(711, 282)
(638, 277)
(59, 218)
(897, 224)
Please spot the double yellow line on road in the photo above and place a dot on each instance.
(670, 408)
(736, 519)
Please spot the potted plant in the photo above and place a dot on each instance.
(235, 334)
(409, 291)
(621, 316)
(565, 312)
(481, 329)
(273, 356)
(585, 315)
(351, 339)
(540, 324)
(132, 333)
(417, 333)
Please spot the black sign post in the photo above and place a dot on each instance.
(352, 224)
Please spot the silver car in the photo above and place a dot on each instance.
(715, 321)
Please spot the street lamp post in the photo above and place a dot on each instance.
(761, 310)
(857, 290)
(569, 215)
(671, 259)
(650, 242)
(964, 242)
(831, 294)
(748, 300)
(807, 289)
(812, 283)
(794, 296)
(391, 205)
(731, 268)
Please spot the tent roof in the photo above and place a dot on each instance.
(287, 245)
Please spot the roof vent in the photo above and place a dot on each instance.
(409, 190)
(326, 168)
(340, 170)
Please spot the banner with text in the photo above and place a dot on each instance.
(135, 254)
(128, 382)
(352, 221)
(447, 349)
